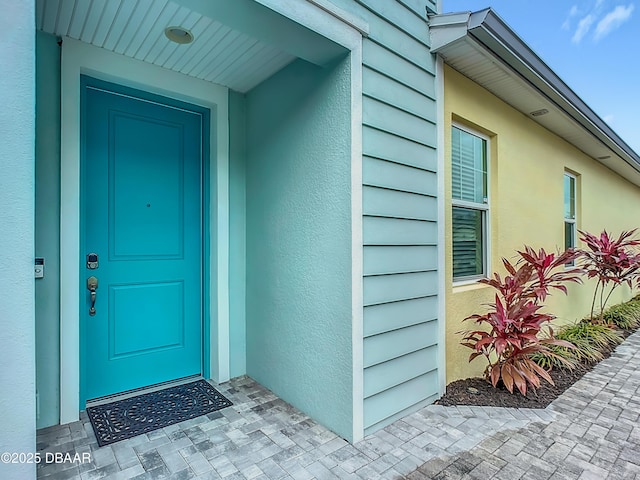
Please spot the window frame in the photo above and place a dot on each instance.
(484, 208)
(566, 220)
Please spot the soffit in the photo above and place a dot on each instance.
(496, 69)
(135, 28)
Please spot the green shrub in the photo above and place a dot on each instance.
(590, 341)
(601, 336)
(585, 351)
(618, 316)
(635, 306)
(561, 357)
(625, 316)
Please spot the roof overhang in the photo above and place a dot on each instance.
(236, 43)
(482, 47)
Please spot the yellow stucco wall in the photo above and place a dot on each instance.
(527, 163)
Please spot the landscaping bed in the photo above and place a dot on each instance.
(478, 391)
(529, 363)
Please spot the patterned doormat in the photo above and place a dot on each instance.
(134, 416)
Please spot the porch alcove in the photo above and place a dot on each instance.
(298, 234)
(288, 292)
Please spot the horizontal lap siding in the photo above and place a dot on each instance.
(391, 345)
(419, 6)
(392, 403)
(396, 371)
(391, 119)
(382, 173)
(386, 317)
(397, 231)
(396, 287)
(400, 209)
(387, 146)
(401, 96)
(384, 260)
(387, 202)
(396, 67)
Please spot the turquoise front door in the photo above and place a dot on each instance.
(141, 222)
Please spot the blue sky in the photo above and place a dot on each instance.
(593, 45)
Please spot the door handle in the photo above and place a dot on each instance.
(92, 286)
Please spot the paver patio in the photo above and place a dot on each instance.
(591, 431)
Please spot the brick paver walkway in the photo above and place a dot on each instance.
(591, 431)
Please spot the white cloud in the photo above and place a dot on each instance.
(572, 13)
(608, 118)
(583, 28)
(613, 20)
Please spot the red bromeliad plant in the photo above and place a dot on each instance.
(515, 320)
(613, 261)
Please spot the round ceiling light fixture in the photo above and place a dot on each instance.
(178, 35)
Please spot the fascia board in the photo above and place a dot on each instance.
(447, 29)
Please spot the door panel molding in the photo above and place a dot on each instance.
(117, 246)
(79, 58)
(123, 347)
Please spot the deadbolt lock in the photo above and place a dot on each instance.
(92, 261)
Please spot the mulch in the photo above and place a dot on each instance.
(478, 391)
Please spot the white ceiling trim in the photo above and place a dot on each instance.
(135, 28)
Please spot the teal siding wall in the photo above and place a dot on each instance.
(400, 210)
(47, 226)
(237, 234)
(299, 240)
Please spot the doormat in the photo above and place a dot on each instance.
(134, 416)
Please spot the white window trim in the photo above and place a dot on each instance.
(484, 207)
(575, 197)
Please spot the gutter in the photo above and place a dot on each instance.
(488, 30)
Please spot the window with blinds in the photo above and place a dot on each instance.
(569, 211)
(469, 186)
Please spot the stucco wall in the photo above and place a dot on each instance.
(298, 240)
(237, 235)
(48, 228)
(17, 356)
(526, 198)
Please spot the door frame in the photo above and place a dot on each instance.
(80, 58)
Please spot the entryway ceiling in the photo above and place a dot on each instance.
(135, 28)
